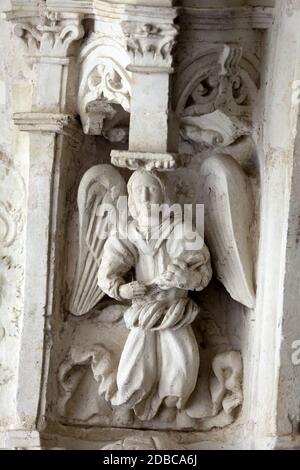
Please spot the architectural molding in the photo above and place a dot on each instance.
(61, 124)
(256, 17)
(149, 161)
(223, 18)
(105, 10)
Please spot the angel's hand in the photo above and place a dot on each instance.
(132, 290)
(177, 275)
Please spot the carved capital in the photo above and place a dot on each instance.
(48, 34)
(150, 45)
(223, 77)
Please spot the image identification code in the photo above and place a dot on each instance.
(151, 459)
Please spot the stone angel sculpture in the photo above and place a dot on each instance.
(160, 361)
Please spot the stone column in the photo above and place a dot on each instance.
(50, 39)
(149, 42)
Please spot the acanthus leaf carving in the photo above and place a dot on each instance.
(50, 34)
(149, 45)
(30, 35)
(12, 220)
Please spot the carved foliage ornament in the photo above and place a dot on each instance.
(219, 78)
(51, 34)
(149, 45)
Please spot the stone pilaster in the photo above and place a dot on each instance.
(50, 41)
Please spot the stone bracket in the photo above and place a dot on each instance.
(149, 161)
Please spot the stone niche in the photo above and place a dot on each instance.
(193, 99)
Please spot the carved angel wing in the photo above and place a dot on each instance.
(228, 218)
(101, 186)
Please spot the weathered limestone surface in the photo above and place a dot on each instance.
(15, 94)
(125, 343)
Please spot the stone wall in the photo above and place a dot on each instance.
(67, 90)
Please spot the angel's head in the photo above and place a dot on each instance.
(144, 190)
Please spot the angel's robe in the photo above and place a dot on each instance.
(160, 360)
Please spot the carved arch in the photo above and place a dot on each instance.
(105, 85)
(220, 77)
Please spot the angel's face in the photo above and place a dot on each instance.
(147, 192)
